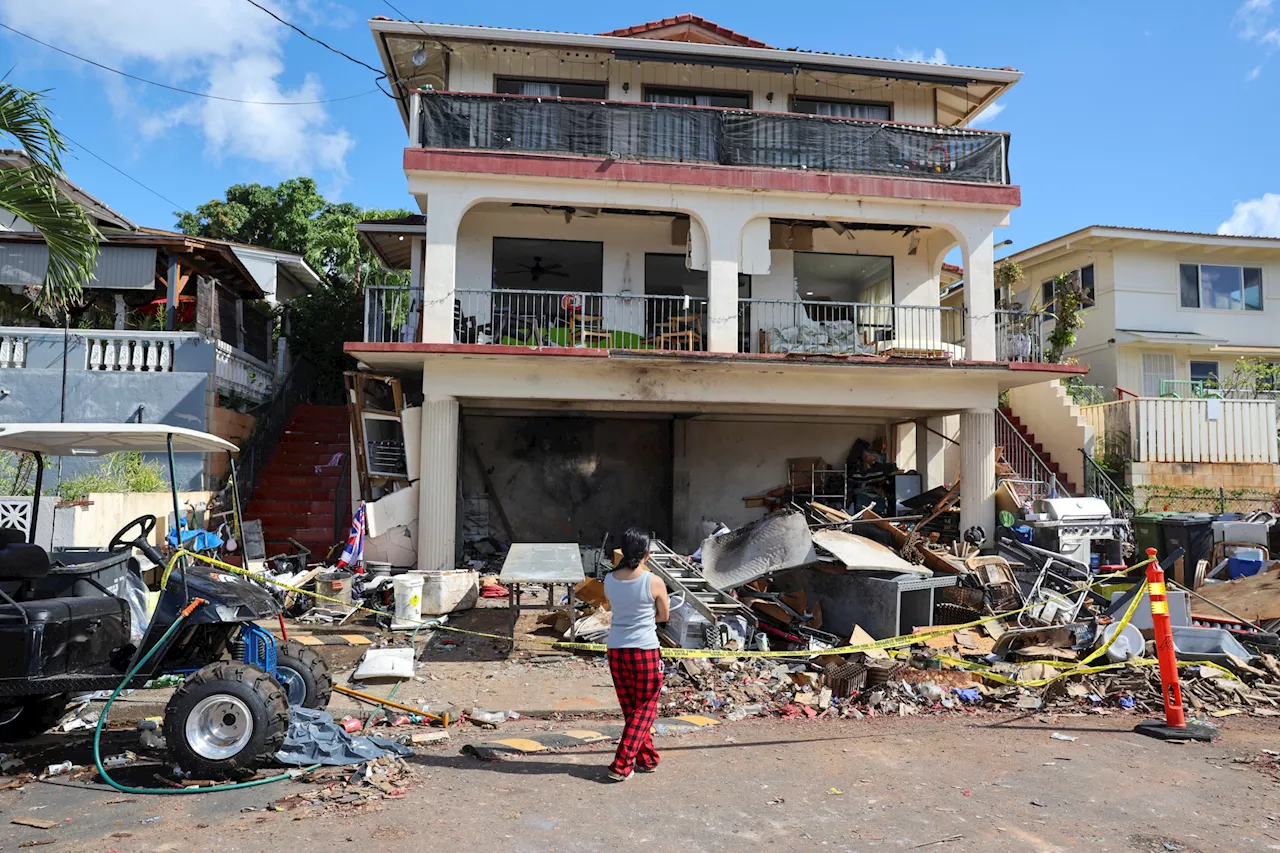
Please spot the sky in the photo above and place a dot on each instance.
(1133, 113)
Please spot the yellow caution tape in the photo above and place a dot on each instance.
(888, 643)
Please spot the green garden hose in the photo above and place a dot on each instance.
(102, 720)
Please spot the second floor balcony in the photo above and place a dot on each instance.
(617, 130)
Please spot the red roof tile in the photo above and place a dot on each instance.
(695, 20)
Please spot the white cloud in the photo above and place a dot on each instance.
(987, 115)
(1253, 24)
(228, 49)
(1254, 74)
(938, 57)
(1257, 217)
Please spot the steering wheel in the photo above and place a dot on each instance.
(144, 523)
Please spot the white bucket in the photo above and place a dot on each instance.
(447, 591)
(408, 594)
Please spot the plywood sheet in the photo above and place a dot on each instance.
(859, 553)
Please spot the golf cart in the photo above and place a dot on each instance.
(76, 621)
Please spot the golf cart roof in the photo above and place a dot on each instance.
(97, 439)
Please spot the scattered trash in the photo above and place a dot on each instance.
(34, 822)
(1058, 736)
(58, 769)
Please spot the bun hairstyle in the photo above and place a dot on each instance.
(635, 547)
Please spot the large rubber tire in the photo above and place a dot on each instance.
(35, 716)
(226, 720)
(304, 675)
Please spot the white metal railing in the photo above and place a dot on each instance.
(391, 313)
(238, 372)
(850, 328)
(13, 349)
(1019, 336)
(578, 319)
(1026, 463)
(150, 352)
(1168, 429)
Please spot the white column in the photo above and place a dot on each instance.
(930, 449)
(978, 469)
(438, 485)
(412, 331)
(440, 262)
(724, 245)
(979, 296)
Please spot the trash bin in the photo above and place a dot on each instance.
(1193, 533)
(1147, 532)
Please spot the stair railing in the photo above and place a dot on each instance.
(1098, 483)
(1023, 459)
(271, 419)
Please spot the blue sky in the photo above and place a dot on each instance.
(1150, 114)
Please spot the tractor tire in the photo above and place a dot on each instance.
(32, 718)
(226, 720)
(304, 675)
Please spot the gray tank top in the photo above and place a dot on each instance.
(634, 625)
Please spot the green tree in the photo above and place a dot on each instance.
(33, 192)
(294, 217)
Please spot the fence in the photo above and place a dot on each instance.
(1162, 429)
(731, 137)
(568, 319)
(850, 328)
(1200, 389)
(391, 313)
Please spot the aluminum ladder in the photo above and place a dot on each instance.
(682, 576)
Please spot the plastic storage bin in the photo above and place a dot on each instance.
(1245, 562)
(447, 591)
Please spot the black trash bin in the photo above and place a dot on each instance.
(1193, 533)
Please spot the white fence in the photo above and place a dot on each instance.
(1163, 429)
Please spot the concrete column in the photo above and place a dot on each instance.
(724, 246)
(440, 262)
(978, 469)
(412, 331)
(438, 485)
(930, 450)
(979, 296)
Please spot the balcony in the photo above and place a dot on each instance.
(706, 135)
(639, 322)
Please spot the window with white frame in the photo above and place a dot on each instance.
(841, 109)
(1081, 278)
(1156, 368)
(1204, 371)
(1220, 287)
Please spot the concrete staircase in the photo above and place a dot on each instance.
(1017, 459)
(297, 494)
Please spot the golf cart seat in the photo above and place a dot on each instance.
(20, 561)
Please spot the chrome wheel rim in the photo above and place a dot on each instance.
(295, 689)
(219, 727)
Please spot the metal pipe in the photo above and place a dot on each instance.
(235, 501)
(35, 501)
(177, 514)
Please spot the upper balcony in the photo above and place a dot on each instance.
(711, 136)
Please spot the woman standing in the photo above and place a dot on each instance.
(639, 601)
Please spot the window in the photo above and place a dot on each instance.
(1081, 278)
(1204, 371)
(556, 265)
(552, 88)
(698, 98)
(1220, 288)
(1156, 368)
(834, 277)
(841, 109)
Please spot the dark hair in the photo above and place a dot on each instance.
(635, 546)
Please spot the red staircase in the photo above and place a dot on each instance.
(297, 494)
(1012, 455)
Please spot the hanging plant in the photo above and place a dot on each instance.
(1068, 319)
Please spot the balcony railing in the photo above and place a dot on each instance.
(1196, 389)
(574, 319)
(850, 328)
(391, 313)
(1019, 336)
(238, 372)
(729, 137)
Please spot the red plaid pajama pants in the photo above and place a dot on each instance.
(637, 676)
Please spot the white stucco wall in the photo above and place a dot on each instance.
(1048, 414)
(719, 461)
(475, 68)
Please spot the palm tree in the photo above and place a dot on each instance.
(33, 192)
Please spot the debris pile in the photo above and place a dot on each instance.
(384, 778)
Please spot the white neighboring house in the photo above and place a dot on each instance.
(1168, 313)
(656, 263)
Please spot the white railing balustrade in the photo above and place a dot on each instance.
(240, 373)
(136, 351)
(13, 350)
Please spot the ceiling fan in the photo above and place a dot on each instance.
(536, 270)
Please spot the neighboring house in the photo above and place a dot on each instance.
(655, 264)
(1168, 315)
(171, 328)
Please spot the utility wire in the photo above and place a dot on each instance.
(191, 91)
(325, 45)
(123, 172)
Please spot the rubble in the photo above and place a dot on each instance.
(387, 777)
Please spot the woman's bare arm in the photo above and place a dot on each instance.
(662, 604)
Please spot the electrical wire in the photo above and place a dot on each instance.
(191, 92)
(124, 173)
(323, 44)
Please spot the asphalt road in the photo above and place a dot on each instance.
(991, 783)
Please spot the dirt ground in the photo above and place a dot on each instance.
(992, 783)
